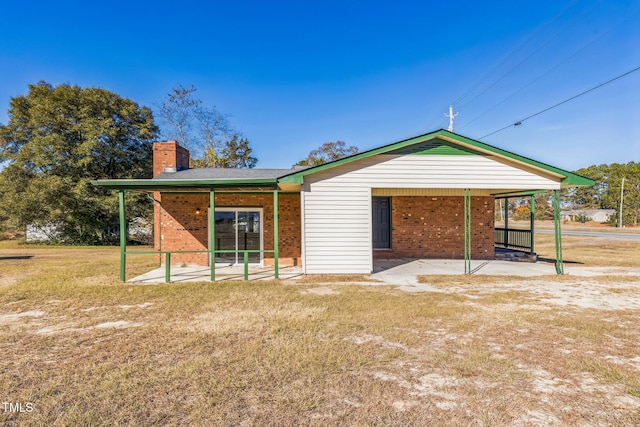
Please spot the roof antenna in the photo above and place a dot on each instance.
(451, 117)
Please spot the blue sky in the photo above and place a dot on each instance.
(294, 75)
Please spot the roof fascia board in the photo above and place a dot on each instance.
(159, 184)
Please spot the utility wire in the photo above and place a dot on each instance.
(504, 60)
(553, 68)
(533, 53)
(519, 122)
(514, 52)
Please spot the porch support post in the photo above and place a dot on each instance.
(558, 233)
(467, 231)
(532, 206)
(123, 236)
(212, 234)
(506, 222)
(275, 232)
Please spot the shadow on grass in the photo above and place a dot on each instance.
(9, 258)
(553, 261)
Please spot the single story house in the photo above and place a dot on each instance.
(431, 196)
(581, 215)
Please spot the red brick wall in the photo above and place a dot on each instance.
(433, 227)
(169, 154)
(182, 229)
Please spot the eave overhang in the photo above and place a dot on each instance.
(183, 184)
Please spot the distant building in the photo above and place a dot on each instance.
(138, 230)
(45, 233)
(580, 215)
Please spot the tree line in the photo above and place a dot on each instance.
(58, 139)
(609, 192)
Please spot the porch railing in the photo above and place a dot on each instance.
(167, 260)
(514, 238)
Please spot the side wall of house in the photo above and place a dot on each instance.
(182, 229)
(337, 201)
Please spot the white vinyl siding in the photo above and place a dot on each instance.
(337, 201)
(334, 221)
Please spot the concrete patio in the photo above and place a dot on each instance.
(223, 273)
(392, 271)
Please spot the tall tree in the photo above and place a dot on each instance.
(607, 192)
(60, 138)
(214, 132)
(204, 130)
(177, 113)
(590, 197)
(233, 153)
(328, 152)
(236, 153)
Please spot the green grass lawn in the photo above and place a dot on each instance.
(84, 349)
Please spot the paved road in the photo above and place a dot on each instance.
(608, 235)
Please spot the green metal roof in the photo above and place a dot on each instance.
(568, 179)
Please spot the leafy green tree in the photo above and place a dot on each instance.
(606, 193)
(631, 198)
(328, 152)
(234, 153)
(590, 197)
(60, 138)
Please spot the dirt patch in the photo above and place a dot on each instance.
(119, 324)
(323, 290)
(577, 292)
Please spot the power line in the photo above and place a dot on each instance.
(554, 67)
(506, 59)
(519, 122)
(514, 52)
(552, 38)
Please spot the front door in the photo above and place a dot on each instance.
(238, 230)
(381, 207)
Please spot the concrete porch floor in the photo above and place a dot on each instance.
(397, 271)
(406, 271)
(223, 272)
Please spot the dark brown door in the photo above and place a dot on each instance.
(381, 222)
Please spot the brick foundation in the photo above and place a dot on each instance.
(433, 227)
(180, 228)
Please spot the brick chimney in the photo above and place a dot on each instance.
(169, 156)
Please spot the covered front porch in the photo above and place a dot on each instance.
(197, 222)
